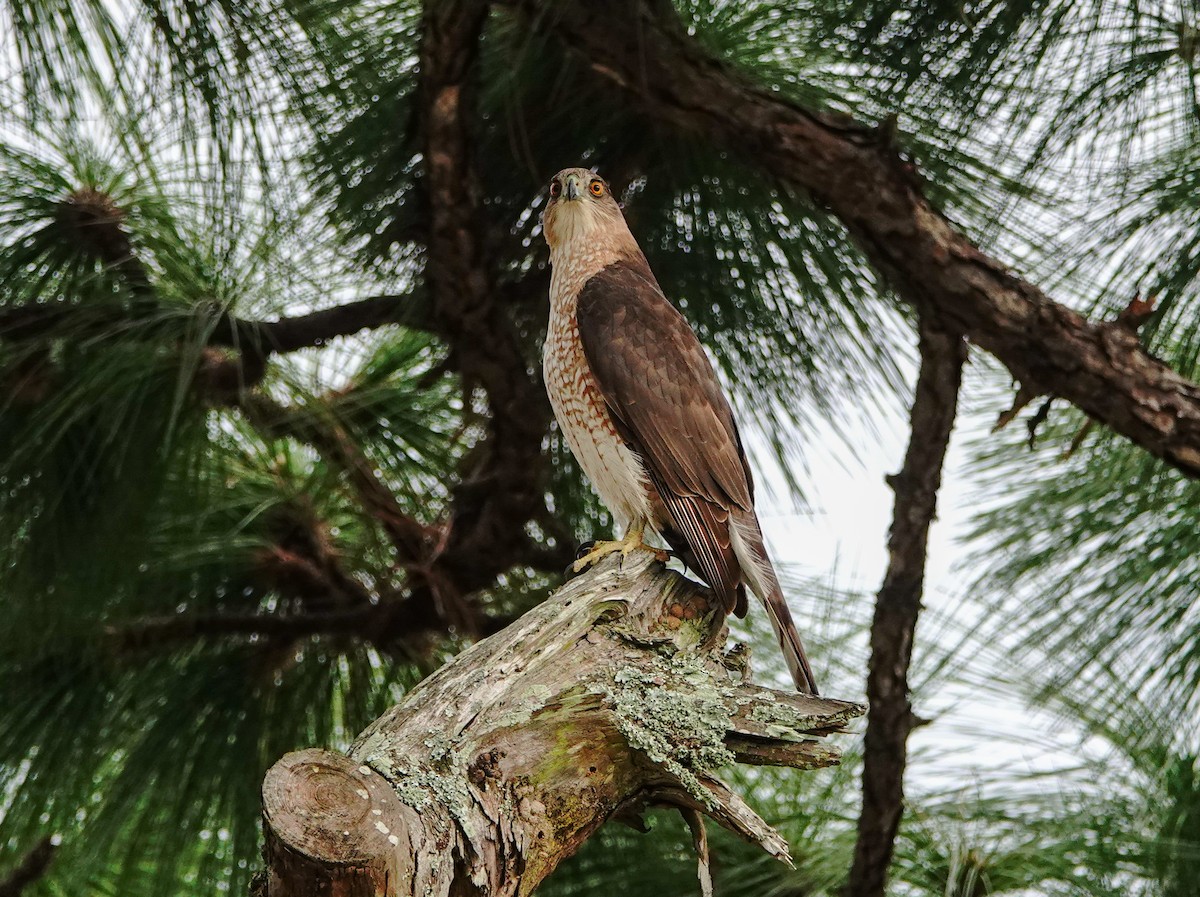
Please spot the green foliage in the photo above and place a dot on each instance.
(123, 755)
(1093, 560)
(1090, 563)
(129, 499)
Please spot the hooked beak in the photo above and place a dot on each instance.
(571, 188)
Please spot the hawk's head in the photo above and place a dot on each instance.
(582, 207)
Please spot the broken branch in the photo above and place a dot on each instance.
(502, 763)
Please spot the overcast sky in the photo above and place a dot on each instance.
(983, 731)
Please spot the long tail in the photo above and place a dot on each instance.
(751, 553)
(789, 641)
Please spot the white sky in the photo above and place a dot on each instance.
(843, 541)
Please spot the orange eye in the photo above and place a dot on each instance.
(555, 189)
(597, 188)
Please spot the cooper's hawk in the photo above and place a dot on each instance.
(643, 411)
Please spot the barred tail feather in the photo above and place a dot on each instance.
(751, 552)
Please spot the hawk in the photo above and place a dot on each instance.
(643, 411)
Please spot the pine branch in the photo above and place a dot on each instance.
(317, 328)
(491, 507)
(380, 624)
(312, 575)
(1132, 318)
(94, 222)
(435, 595)
(493, 504)
(31, 868)
(639, 47)
(412, 540)
(308, 574)
(890, 718)
(277, 337)
(157, 632)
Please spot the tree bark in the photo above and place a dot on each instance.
(855, 172)
(506, 488)
(613, 695)
(890, 719)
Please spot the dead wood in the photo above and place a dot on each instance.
(613, 695)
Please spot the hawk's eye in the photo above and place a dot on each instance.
(597, 188)
(555, 189)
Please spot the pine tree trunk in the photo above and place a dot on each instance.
(613, 695)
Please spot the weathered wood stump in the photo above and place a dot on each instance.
(613, 695)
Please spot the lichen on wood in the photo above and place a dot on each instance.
(614, 694)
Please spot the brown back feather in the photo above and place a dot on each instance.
(668, 404)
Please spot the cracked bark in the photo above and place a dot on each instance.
(890, 719)
(613, 695)
(855, 172)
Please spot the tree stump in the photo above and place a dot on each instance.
(613, 695)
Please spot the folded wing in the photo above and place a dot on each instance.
(667, 402)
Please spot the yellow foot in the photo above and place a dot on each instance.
(632, 542)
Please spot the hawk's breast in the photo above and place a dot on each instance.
(614, 469)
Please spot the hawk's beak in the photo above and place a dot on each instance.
(571, 187)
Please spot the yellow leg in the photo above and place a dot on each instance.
(632, 541)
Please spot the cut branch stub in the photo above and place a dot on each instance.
(613, 695)
(333, 827)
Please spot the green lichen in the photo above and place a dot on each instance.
(782, 721)
(674, 711)
(421, 788)
(531, 702)
(440, 748)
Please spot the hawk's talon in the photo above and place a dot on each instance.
(583, 549)
(597, 551)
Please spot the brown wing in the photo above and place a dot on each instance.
(665, 397)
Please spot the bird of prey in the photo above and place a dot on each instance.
(643, 411)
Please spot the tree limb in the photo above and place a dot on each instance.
(280, 336)
(154, 632)
(639, 46)
(612, 695)
(31, 867)
(92, 220)
(378, 624)
(504, 490)
(890, 719)
(319, 327)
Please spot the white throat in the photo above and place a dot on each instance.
(587, 240)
